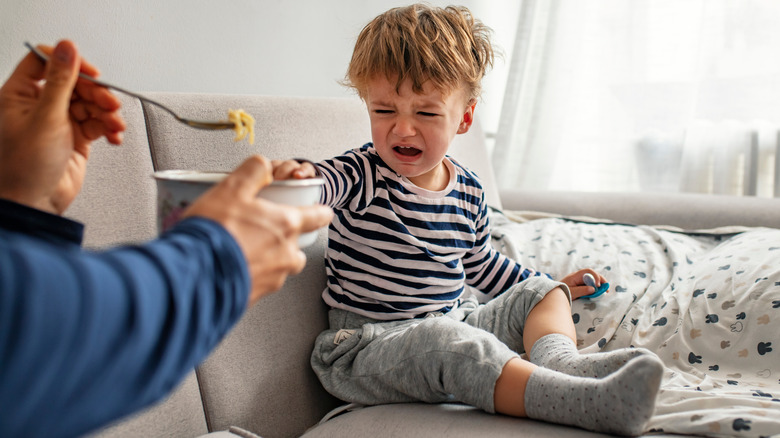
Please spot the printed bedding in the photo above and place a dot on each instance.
(708, 303)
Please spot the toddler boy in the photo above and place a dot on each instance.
(411, 231)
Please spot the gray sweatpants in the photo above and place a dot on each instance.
(454, 357)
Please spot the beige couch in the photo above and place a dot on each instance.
(259, 378)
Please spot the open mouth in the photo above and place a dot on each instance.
(407, 151)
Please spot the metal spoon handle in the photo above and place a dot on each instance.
(193, 123)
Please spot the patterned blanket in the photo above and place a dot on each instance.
(708, 303)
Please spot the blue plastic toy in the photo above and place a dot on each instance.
(590, 281)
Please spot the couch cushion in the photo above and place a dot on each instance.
(259, 378)
(117, 202)
(179, 415)
(449, 419)
(233, 432)
(313, 128)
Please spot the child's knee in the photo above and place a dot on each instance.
(523, 297)
(446, 334)
(557, 296)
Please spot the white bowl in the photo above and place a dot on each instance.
(177, 189)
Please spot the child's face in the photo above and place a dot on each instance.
(412, 132)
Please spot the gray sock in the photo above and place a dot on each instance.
(621, 403)
(559, 353)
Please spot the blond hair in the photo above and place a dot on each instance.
(447, 46)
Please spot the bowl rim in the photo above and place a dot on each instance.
(211, 177)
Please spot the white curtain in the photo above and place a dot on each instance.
(628, 95)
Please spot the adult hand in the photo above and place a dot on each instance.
(578, 287)
(48, 118)
(267, 232)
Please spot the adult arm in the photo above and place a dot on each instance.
(125, 326)
(87, 337)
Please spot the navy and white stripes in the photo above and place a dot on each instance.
(398, 251)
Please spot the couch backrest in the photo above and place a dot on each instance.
(471, 150)
(285, 127)
(117, 200)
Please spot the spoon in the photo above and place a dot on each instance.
(193, 123)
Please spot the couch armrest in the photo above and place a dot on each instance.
(683, 210)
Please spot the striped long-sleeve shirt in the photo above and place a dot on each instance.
(398, 251)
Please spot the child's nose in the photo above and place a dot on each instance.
(404, 127)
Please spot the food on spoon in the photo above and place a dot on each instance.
(243, 124)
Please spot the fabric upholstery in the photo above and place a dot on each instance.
(233, 432)
(259, 378)
(688, 211)
(450, 420)
(179, 415)
(117, 201)
(284, 128)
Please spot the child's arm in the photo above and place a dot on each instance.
(293, 169)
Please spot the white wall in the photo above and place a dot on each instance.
(266, 47)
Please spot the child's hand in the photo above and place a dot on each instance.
(577, 285)
(293, 169)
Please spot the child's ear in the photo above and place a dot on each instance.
(468, 117)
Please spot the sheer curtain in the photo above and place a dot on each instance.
(628, 95)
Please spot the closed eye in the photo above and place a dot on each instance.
(383, 111)
(427, 114)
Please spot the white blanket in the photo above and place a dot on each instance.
(707, 303)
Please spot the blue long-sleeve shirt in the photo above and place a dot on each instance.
(88, 337)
